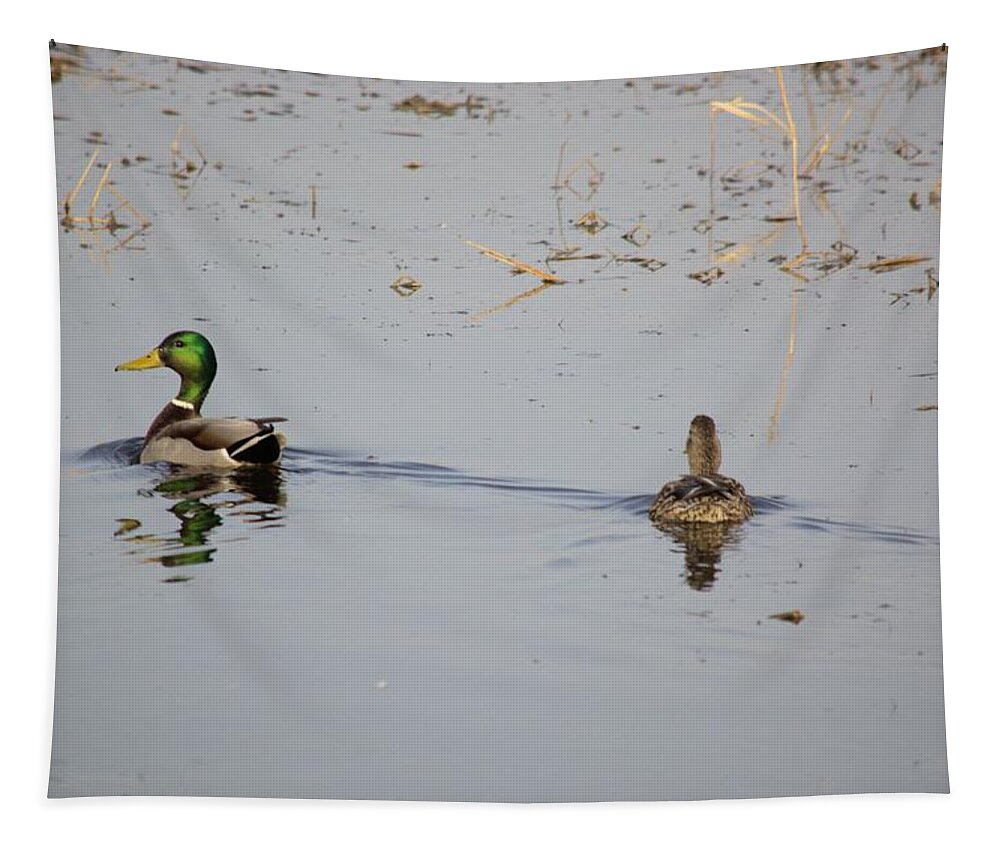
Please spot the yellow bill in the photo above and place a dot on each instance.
(149, 361)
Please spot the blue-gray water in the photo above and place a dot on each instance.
(450, 588)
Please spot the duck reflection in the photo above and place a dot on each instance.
(202, 501)
(703, 545)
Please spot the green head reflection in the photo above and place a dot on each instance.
(202, 502)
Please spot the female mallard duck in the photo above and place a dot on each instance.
(180, 434)
(703, 496)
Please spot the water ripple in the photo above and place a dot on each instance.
(311, 462)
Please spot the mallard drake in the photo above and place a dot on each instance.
(180, 434)
(702, 496)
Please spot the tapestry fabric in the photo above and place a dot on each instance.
(561, 441)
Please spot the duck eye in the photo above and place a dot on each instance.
(178, 344)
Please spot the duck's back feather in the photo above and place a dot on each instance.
(701, 499)
(216, 442)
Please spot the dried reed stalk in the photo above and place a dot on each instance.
(518, 265)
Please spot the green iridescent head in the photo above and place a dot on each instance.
(188, 354)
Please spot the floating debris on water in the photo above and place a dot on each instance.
(246, 90)
(650, 264)
(560, 254)
(794, 616)
(638, 236)
(126, 525)
(902, 148)
(930, 288)
(934, 196)
(109, 221)
(891, 264)
(197, 67)
(187, 160)
(420, 105)
(62, 63)
(478, 317)
(585, 168)
(814, 265)
(932, 282)
(405, 286)
(518, 266)
(592, 222)
(707, 276)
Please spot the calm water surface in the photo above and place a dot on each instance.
(450, 589)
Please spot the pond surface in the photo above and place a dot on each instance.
(450, 588)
